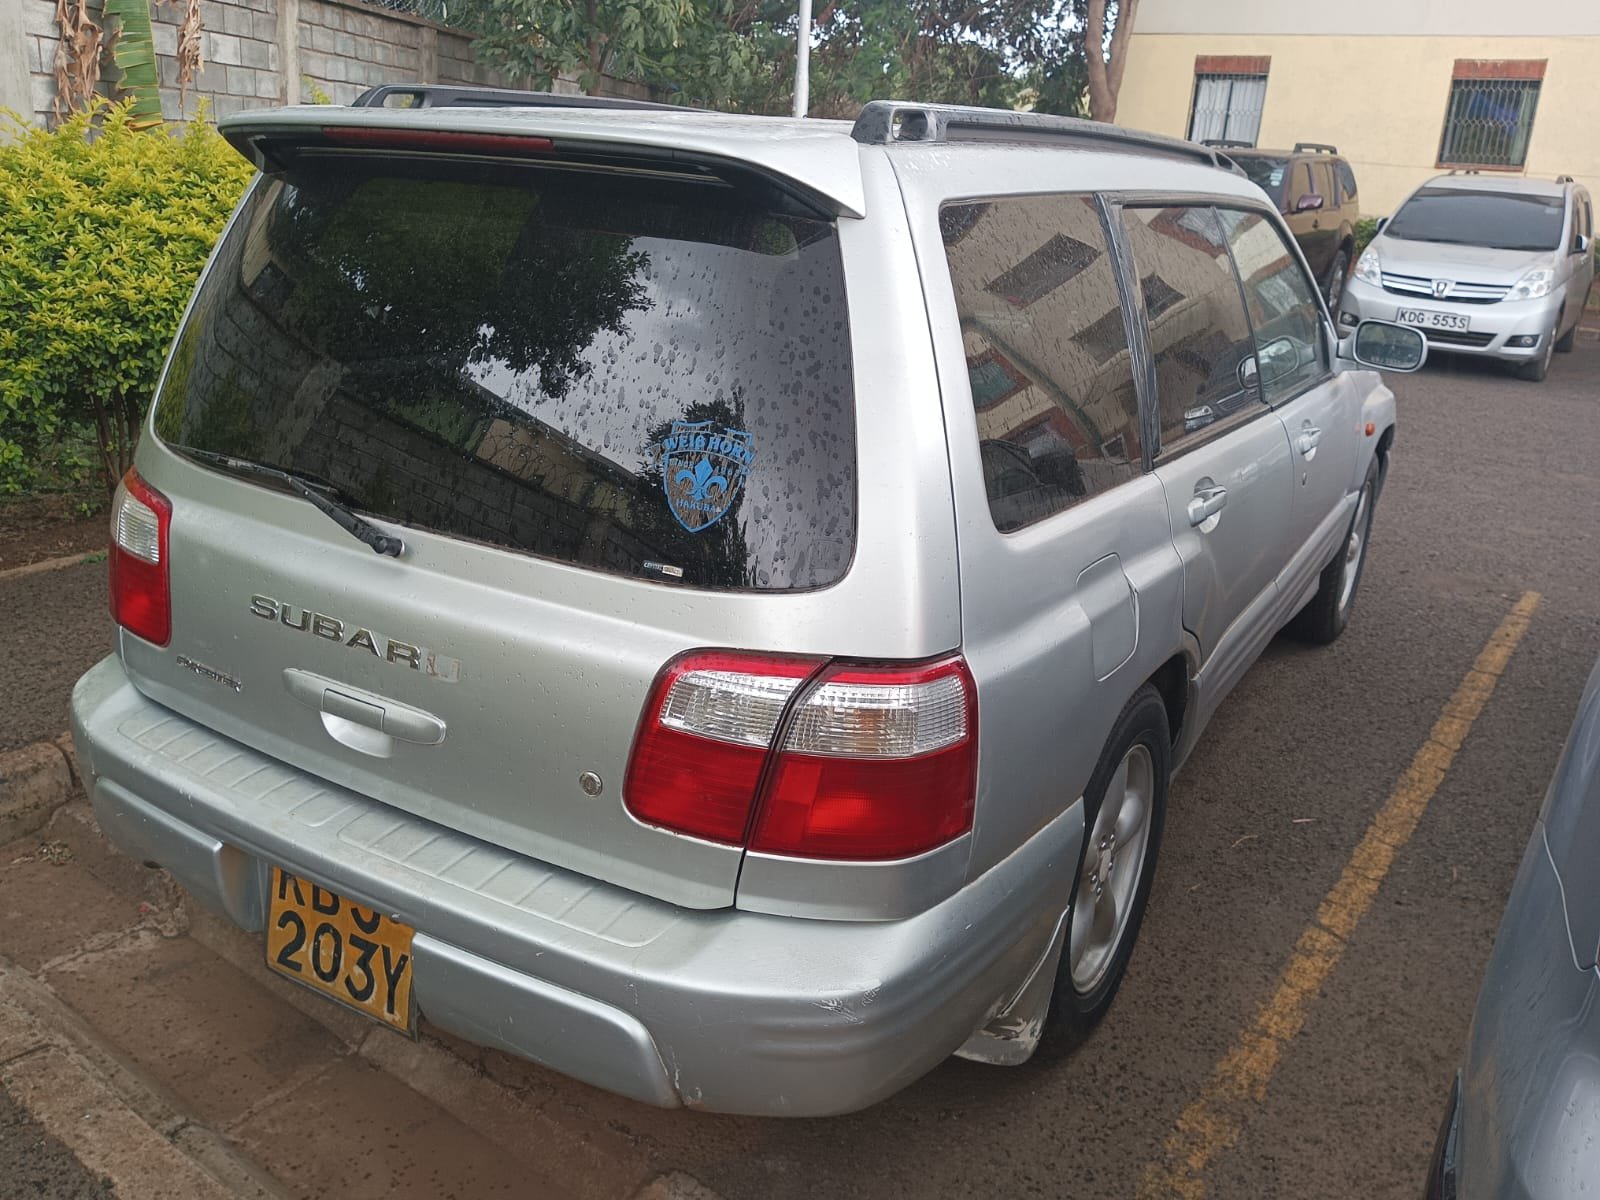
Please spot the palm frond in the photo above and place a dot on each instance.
(134, 52)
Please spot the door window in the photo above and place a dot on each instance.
(1199, 335)
(1284, 314)
(1046, 350)
(1322, 184)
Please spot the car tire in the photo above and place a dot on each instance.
(1337, 273)
(1136, 761)
(1564, 343)
(1537, 369)
(1325, 618)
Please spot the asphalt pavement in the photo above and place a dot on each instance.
(1494, 494)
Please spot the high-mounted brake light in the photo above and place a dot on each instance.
(875, 762)
(447, 141)
(141, 595)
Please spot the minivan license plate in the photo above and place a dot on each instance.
(1432, 320)
(356, 955)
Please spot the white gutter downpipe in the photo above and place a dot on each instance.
(802, 61)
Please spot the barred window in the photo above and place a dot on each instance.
(1227, 107)
(1489, 119)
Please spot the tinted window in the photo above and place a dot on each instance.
(1322, 183)
(634, 375)
(1468, 217)
(1347, 181)
(1268, 174)
(1201, 338)
(1283, 308)
(1047, 353)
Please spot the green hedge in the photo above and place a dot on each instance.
(1366, 230)
(103, 231)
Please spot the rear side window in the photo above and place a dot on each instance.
(1047, 352)
(633, 375)
(1347, 181)
(1322, 179)
(1199, 335)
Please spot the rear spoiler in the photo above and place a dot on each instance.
(815, 163)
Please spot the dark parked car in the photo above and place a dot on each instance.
(1522, 1116)
(1315, 190)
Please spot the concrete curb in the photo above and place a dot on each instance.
(53, 564)
(34, 782)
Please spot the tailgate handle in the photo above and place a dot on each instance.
(379, 713)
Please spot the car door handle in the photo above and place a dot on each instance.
(1207, 503)
(1307, 442)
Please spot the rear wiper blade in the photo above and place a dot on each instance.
(362, 531)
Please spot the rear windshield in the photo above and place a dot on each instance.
(634, 374)
(1266, 173)
(1465, 217)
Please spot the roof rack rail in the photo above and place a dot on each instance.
(1314, 148)
(884, 122)
(1565, 179)
(1228, 144)
(439, 95)
(1468, 171)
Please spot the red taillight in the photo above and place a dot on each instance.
(141, 600)
(702, 743)
(876, 762)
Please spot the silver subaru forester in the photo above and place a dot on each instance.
(713, 604)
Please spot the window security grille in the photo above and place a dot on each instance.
(1488, 122)
(1227, 106)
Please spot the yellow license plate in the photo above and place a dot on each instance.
(356, 955)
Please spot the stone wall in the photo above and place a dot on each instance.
(259, 52)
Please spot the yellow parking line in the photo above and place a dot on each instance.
(1213, 1123)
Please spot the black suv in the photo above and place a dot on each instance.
(1315, 190)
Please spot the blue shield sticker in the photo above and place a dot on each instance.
(703, 466)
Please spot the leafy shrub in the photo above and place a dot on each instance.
(1366, 230)
(103, 231)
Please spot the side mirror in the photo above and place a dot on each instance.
(1308, 203)
(1382, 221)
(1387, 347)
(1581, 243)
(1279, 359)
(1249, 373)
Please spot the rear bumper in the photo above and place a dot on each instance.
(724, 1010)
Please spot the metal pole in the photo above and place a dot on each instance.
(802, 62)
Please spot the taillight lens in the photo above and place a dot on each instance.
(876, 762)
(141, 599)
(704, 738)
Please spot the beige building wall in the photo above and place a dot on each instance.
(1379, 97)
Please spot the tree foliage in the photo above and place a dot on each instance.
(103, 230)
(739, 54)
